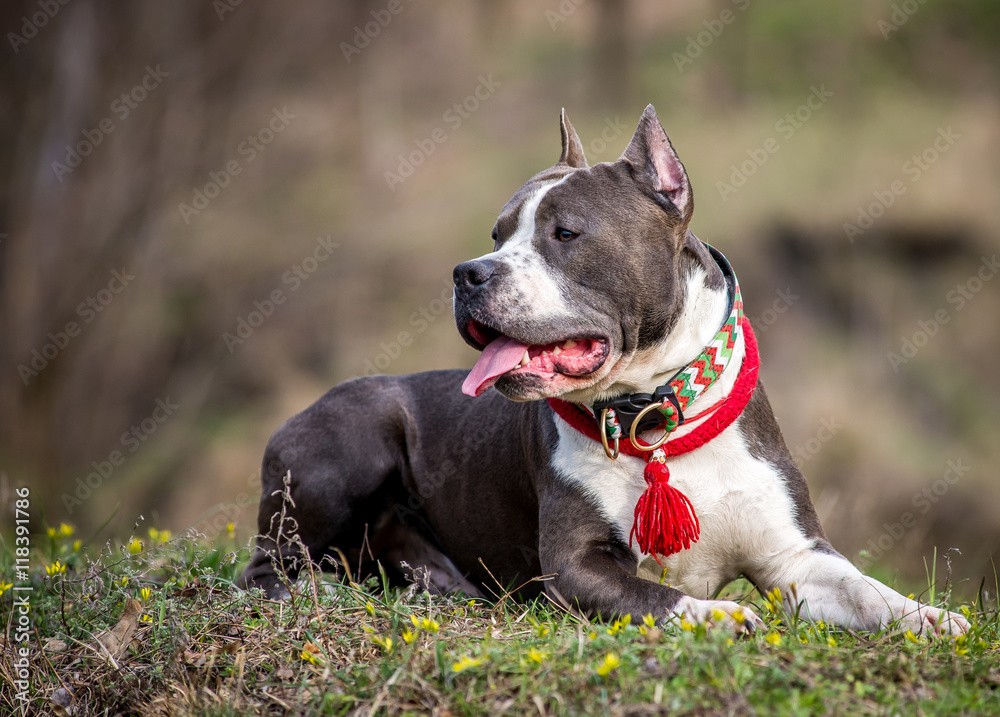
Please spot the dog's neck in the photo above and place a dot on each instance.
(705, 305)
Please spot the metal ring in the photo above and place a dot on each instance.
(635, 425)
(604, 437)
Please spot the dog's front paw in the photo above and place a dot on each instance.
(934, 622)
(718, 614)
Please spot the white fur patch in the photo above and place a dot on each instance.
(532, 283)
(747, 517)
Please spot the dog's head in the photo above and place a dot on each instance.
(584, 272)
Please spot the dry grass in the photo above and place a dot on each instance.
(160, 631)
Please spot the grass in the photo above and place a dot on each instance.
(153, 627)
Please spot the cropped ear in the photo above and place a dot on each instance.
(655, 164)
(572, 149)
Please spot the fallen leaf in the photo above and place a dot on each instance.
(116, 640)
(54, 645)
(196, 659)
(62, 697)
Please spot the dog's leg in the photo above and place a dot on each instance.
(824, 585)
(421, 561)
(594, 567)
(340, 488)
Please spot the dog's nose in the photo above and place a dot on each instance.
(473, 273)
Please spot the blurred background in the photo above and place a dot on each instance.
(210, 213)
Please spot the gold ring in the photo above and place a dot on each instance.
(635, 425)
(604, 437)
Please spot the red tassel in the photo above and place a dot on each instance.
(665, 521)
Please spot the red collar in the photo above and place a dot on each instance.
(662, 524)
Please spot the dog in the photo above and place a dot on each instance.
(607, 328)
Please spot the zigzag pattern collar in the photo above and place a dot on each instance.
(685, 385)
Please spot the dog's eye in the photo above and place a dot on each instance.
(565, 234)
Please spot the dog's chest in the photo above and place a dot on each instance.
(743, 507)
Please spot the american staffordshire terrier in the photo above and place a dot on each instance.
(656, 454)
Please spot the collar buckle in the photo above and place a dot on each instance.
(631, 406)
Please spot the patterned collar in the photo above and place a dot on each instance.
(634, 413)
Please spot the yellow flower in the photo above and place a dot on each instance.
(311, 653)
(916, 640)
(467, 662)
(145, 618)
(77, 544)
(230, 528)
(123, 581)
(425, 623)
(648, 620)
(408, 636)
(145, 593)
(619, 625)
(384, 642)
(370, 608)
(52, 532)
(739, 616)
(135, 546)
(687, 626)
(541, 629)
(591, 635)
(718, 615)
(56, 568)
(608, 665)
(4, 587)
(161, 536)
(774, 599)
(536, 655)
(830, 641)
(65, 529)
(773, 639)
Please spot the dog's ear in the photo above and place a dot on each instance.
(572, 149)
(655, 164)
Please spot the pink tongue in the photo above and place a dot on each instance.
(499, 357)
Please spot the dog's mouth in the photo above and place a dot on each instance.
(506, 356)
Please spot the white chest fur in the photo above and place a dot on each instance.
(744, 509)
